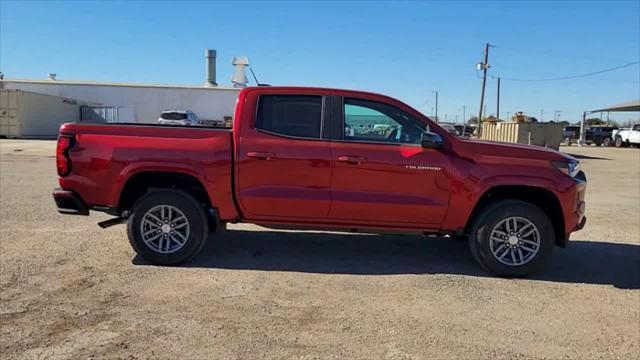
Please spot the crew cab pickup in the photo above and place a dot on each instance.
(627, 137)
(312, 158)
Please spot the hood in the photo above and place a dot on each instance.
(474, 148)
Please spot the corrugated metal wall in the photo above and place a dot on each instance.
(9, 121)
(28, 114)
(541, 134)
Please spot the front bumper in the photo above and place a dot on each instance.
(69, 203)
(578, 214)
(581, 224)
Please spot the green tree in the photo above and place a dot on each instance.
(594, 121)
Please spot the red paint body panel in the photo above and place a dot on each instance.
(255, 176)
(106, 156)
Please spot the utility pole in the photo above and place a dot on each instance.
(464, 113)
(541, 115)
(464, 120)
(498, 105)
(556, 115)
(484, 66)
(436, 107)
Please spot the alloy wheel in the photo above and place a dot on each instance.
(514, 241)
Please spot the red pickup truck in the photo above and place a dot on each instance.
(324, 159)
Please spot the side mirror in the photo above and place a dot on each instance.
(431, 140)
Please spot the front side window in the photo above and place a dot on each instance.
(377, 122)
(290, 115)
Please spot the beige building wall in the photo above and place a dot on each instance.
(137, 102)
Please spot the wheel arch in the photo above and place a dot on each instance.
(543, 198)
(141, 182)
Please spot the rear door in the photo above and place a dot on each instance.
(283, 160)
(382, 175)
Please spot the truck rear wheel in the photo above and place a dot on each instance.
(167, 227)
(512, 238)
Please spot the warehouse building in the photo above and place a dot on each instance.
(37, 108)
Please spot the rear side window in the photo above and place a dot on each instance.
(291, 115)
(173, 116)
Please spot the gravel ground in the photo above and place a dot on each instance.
(72, 290)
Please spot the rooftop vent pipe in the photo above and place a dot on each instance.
(239, 78)
(210, 55)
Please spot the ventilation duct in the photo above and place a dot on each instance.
(210, 55)
(239, 78)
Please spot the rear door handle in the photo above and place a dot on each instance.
(261, 155)
(355, 160)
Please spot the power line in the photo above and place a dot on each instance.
(572, 76)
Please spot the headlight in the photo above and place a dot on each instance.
(570, 168)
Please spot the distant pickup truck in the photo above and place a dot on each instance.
(627, 137)
(288, 163)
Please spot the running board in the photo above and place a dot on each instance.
(111, 222)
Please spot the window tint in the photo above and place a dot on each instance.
(292, 115)
(173, 116)
(378, 122)
(636, 127)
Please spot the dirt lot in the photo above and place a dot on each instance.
(72, 290)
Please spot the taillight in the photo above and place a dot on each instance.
(63, 163)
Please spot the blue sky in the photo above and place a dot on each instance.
(403, 49)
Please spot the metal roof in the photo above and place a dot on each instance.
(105, 83)
(626, 106)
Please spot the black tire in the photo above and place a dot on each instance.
(618, 143)
(598, 142)
(606, 142)
(566, 141)
(494, 213)
(195, 218)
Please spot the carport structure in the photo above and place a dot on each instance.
(628, 106)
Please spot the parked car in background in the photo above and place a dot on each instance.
(627, 137)
(570, 134)
(450, 128)
(289, 162)
(178, 117)
(600, 135)
(465, 130)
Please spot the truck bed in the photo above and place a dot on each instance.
(106, 156)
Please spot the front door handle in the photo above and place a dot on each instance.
(261, 155)
(355, 160)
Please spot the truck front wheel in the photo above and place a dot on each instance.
(618, 142)
(167, 227)
(511, 238)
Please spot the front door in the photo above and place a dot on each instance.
(382, 175)
(284, 164)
